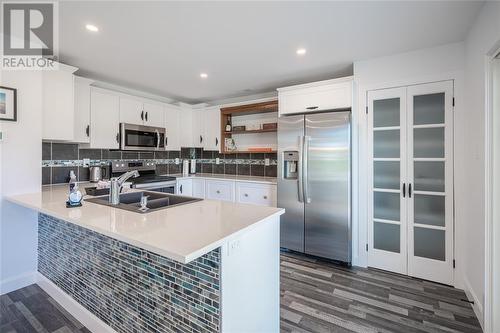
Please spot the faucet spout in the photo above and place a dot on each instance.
(116, 186)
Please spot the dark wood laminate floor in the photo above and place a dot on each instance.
(316, 296)
(30, 309)
(321, 297)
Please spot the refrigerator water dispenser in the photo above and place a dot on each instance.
(290, 164)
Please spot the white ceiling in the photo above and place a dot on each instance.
(245, 47)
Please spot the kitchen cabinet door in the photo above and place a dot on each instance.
(104, 119)
(154, 115)
(173, 128)
(212, 129)
(220, 190)
(82, 110)
(131, 111)
(185, 187)
(199, 188)
(58, 105)
(256, 194)
(198, 128)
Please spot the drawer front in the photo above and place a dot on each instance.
(337, 96)
(256, 194)
(199, 188)
(220, 190)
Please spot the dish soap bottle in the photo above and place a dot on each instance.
(75, 196)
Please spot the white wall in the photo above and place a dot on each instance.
(20, 172)
(482, 40)
(434, 64)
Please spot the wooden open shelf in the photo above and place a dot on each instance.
(251, 131)
(243, 110)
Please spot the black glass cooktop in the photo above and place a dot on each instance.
(145, 179)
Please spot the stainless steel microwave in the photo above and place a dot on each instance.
(139, 137)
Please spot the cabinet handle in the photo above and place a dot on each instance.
(216, 141)
(404, 190)
(180, 188)
(87, 130)
(166, 142)
(142, 115)
(118, 137)
(311, 107)
(409, 191)
(146, 116)
(201, 139)
(246, 195)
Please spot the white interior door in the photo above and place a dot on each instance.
(430, 177)
(387, 171)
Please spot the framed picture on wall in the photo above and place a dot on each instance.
(8, 104)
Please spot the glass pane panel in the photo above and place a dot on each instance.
(429, 243)
(428, 142)
(429, 209)
(428, 109)
(386, 206)
(386, 175)
(386, 144)
(429, 176)
(386, 236)
(386, 112)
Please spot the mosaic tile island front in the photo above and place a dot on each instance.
(210, 266)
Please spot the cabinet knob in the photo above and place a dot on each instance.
(218, 192)
(246, 194)
(265, 197)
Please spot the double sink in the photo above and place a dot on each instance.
(155, 201)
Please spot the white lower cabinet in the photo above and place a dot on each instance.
(199, 188)
(185, 187)
(220, 190)
(257, 194)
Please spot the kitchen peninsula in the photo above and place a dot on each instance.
(210, 266)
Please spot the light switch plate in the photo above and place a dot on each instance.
(217, 160)
(267, 162)
(177, 160)
(86, 161)
(233, 247)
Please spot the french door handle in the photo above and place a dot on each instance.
(300, 180)
(409, 190)
(404, 190)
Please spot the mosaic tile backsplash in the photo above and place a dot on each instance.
(130, 289)
(60, 158)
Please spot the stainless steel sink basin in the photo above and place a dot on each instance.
(156, 201)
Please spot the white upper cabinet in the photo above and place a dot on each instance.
(58, 103)
(131, 111)
(198, 129)
(82, 110)
(141, 112)
(318, 96)
(212, 128)
(173, 127)
(104, 119)
(154, 114)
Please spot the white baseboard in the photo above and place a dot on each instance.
(17, 282)
(81, 314)
(477, 306)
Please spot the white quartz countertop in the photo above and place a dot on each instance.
(182, 233)
(249, 179)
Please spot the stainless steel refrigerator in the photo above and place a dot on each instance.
(314, 183)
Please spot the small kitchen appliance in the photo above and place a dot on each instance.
(97, 173)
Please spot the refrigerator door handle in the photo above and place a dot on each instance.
(300, 179)
(305, 172)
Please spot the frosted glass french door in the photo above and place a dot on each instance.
(411, 212)
(387, 208)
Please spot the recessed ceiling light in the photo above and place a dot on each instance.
(203, 75)
(301, 51)
(91, 27)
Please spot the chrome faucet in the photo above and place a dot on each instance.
(116, 186)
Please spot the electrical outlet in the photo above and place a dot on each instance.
(233, 247)
(86, 161)
(267, 162)
(177, 160)
(217, 160)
